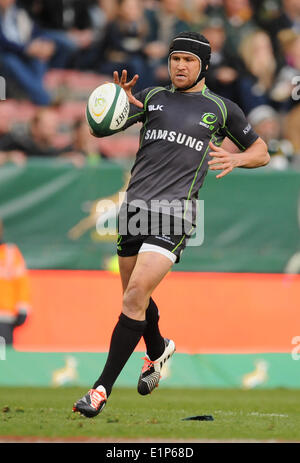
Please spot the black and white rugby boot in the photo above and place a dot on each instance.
(92, 403)
(150, 375)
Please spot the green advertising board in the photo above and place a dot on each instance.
(245, 371)
(52, 211)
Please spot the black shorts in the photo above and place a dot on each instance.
(140, 231)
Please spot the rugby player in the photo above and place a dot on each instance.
(186, 130)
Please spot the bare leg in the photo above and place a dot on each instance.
(126, 266)
(155, 343)
(148, 271)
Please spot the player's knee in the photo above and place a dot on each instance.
(135, 300)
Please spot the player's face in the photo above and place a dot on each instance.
(184, 69)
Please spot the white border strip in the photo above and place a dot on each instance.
(146, 247)
(192, 40)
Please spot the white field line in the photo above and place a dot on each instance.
(262, 415)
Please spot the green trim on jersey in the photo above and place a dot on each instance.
(197, 171)
(191, 230)
(149, 95)
(217, 101)
(196, 175)
(234, 139)
(215, 98)
(173, 250)
(135, 115)
(119, 247)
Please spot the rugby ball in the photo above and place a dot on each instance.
(107, 109)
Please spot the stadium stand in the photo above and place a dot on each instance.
(270, 30)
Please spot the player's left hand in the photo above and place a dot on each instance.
(222, 160)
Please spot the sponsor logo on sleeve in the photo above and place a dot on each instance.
(246, 129)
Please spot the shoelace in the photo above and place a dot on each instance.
(148, 364)
(96, 398)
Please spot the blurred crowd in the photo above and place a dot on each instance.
(255, 61)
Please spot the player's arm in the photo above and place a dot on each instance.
(255, 156)
(228, 145)
(250, 150)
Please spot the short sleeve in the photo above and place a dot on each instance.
(237, 128)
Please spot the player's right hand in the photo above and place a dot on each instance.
(127, 86)
(222, 160)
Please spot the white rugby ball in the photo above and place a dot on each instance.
(107, 109)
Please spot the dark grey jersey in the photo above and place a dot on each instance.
(171, 162)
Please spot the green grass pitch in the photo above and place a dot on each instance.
(264, 415)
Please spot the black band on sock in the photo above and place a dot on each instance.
(124, 340)
(152, 313)
(154, 341)
(135, 325)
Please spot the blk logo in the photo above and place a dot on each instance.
(158, 107)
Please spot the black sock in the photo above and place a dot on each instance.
(125, 338)
(154, 341)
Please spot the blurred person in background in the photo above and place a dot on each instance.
(222, 73)
(15, 300)
(4, 127)
(289, 18)
(15, 157)
(265, 11)
(163, 24)
(291, 130)
(267, 123)
(284, 84)
(39, 139)
(195, 13)
(60, 15)
(26, 51)
(101, 12)
(258, 76)
(85, 144)
(124, 41)
(71, 16)
(238, 22)
(77, 26)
